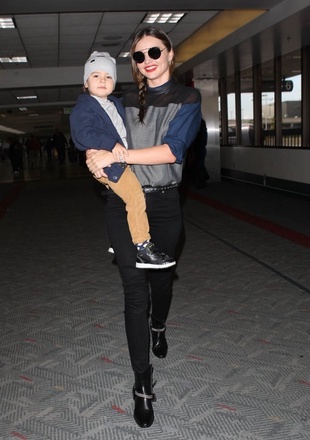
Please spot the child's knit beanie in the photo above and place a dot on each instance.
(100, 61)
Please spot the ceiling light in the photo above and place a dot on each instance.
(23, 109)
(163, 17)
(6, 23)
(10, 130)
(13, 60)
(124, 55)
(27, 97)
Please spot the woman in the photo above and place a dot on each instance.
(165, 115)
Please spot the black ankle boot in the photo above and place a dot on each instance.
(143, 396)
(160, 346)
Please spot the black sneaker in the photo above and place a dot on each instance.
(150, 258)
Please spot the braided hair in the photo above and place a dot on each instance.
(140, 79)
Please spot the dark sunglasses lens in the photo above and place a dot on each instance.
(138, 57)
(154, 53)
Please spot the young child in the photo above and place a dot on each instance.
(97, 122)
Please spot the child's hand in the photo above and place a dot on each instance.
(119, 153)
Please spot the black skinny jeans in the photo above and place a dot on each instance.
(145, 290)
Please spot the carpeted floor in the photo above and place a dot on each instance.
(238, 366)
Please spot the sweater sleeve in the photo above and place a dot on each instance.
(183, 129)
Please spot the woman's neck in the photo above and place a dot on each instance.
(157, 82)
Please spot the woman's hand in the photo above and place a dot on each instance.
(120, 153)
(96, 160)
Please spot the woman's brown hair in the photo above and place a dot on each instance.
(137, 75)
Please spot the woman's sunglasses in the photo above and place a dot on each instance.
(153, 52)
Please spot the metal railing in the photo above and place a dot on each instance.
(291, 137)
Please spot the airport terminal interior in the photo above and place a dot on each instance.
(238, 363)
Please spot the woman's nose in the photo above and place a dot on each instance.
(147, 58)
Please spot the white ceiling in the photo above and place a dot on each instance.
(58, 36)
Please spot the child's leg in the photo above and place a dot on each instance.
(129, 189)
(103, 180)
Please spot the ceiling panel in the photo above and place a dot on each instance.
(8, 98)
(192, 21)
(61, 34)
(48, 6)
(30, 26)
(48, 95)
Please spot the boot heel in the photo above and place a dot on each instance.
(143, 396)
(160, 346)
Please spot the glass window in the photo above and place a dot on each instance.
(291, 100)
(231, 103)
(247, 129)
(229, 132)
(268, 100)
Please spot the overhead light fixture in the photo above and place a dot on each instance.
(163, 17)
(13, 60)
(10, 130)
(27, 97)
(23, 109)
(7, 23)
(123, 55)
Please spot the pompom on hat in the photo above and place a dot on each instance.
(100, 61)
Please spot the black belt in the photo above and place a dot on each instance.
(156, 189)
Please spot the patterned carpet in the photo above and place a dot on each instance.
(238, 366)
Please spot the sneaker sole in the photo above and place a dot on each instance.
(154, 266)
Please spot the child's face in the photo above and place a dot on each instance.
(100, 84)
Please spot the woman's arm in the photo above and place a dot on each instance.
(156, 155)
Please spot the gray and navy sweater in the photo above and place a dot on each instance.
(173, 117)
